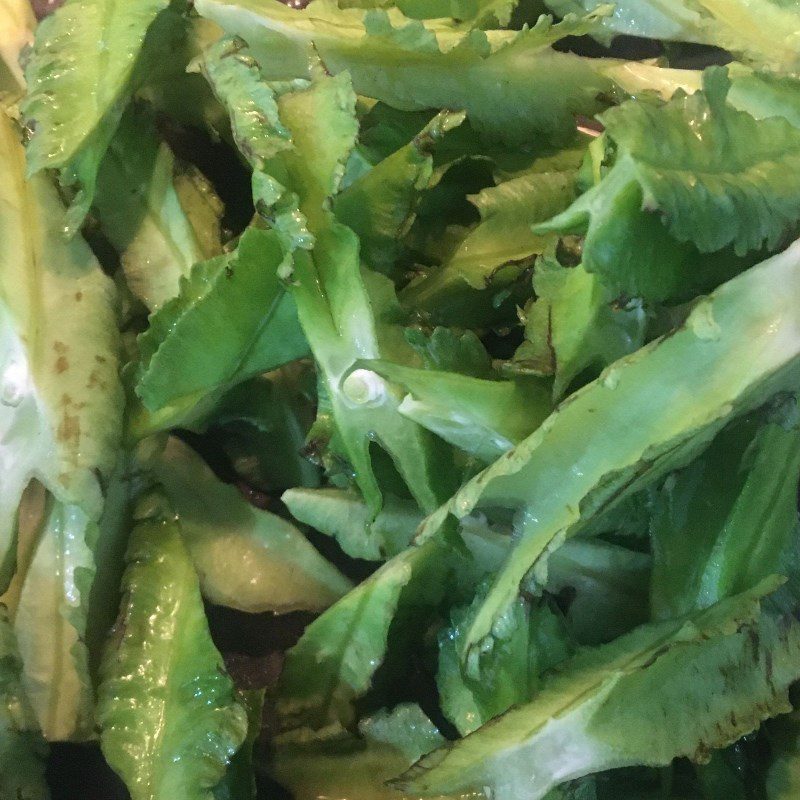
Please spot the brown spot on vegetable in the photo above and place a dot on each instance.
(79, 296)
(69, 431)
(62, 365)
(95, 380)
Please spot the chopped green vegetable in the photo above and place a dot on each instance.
(239, 782)
(605, 586)
(714, 178)
(245, 558)
(161, 220)
(509, 674)
(88, 59)
(438, 361)
(379, 206)
(685, 686)
(175, 372)
(495, 252)
(576, 324)
(62, 398)
(167, 709)
(413, 65)
(345, 516)
(483, 418)
(60, 416)
(335, 661)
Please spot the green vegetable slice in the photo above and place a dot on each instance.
(48, 602)
(239, 295)
(716, 177)
(62, 397)
(502, 245)
(575, 325)
(380, 205)
(607, 588)
(685, 686)
(160, 219)
(246, 558)
(481, 417)
(450, 350)
(88, 58)
(345, 516)
(335, 661)
(60, 419)
(167, 709)
(239, 781)
(263, 423)
(488, 685)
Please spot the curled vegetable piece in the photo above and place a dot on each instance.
(345, 516)
(162, 219)
(380, 205)
(335, 661)
(704, 551)
(502, 245)
(185, 366)
(484, 418)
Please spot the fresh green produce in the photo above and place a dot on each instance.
(168, 711)
(437, 369)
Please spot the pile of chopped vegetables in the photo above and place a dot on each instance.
(470, 329)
